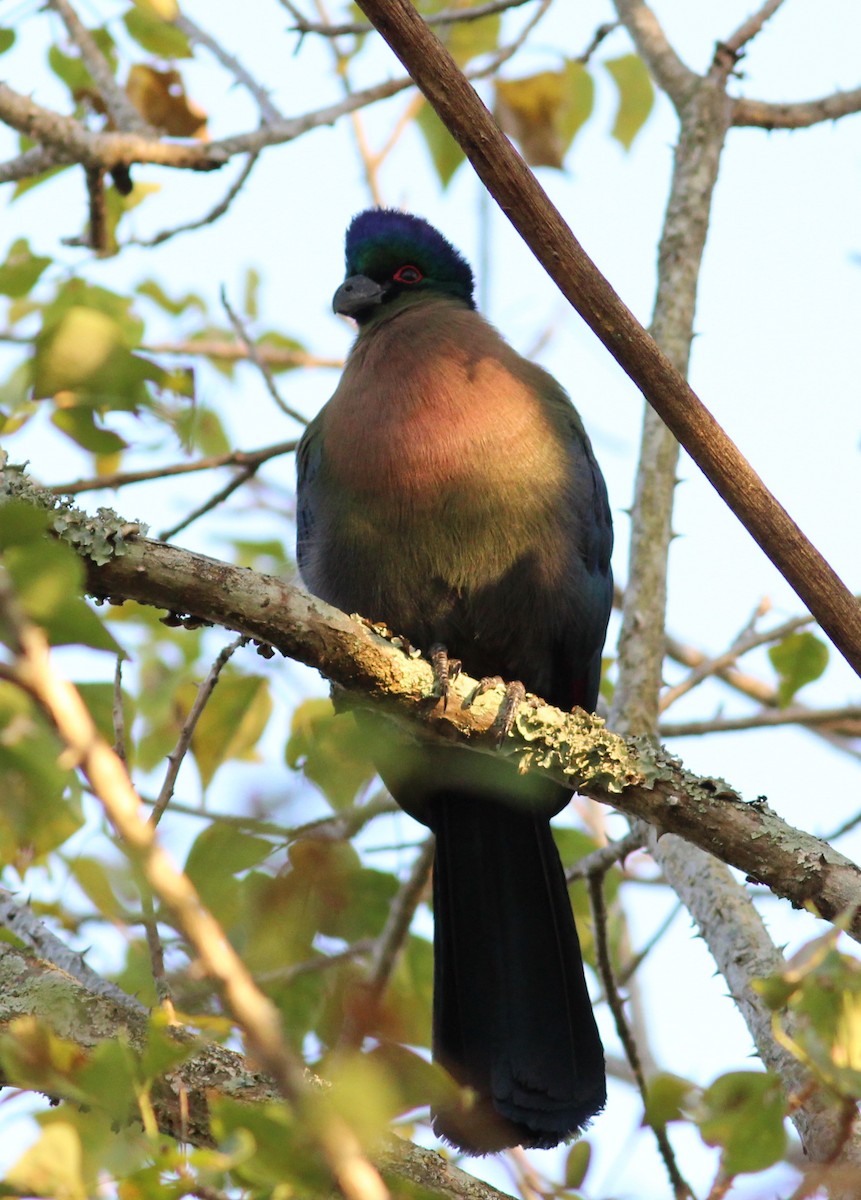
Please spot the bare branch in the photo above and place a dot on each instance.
(743, 644)
(242, 476)
(573, 748)
(68, 141)
(681, 1189)
(653, 46)
(797, 114)
(600, 860)
(20, 919)
(845, 721)
(217, 210)
(118, 479)
(528, 207)
(449, 16)
(748, 29)
(202, 37)
(271, 387)
(174, 759)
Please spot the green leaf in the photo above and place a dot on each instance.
(164, 1051)
(200, 428)
(7, 39)
(666, 1097)
(446, 154)
(577, 1164)
(85, 352)
(97, 881)
(252, 292)
(464, 39)
(156, 34)
(232, 721)
(111, 1078)
(21, 270)
(636, 96)
(331, 750)
(48, 578)
(153, 290)
(278, 1158)
(822, 991)
(279, 341)
(35, 816)
(743, 1113)
(220, 851)
(80, 425)
(798, 659)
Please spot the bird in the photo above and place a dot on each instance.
(449, 490)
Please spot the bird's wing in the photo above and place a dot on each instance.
(309, 455)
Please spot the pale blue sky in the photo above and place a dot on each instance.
(776, 359)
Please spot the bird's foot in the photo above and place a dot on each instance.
(515, 694)
(445, 670)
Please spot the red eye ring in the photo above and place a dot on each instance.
(408, 274)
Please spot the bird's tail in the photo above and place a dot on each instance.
(512, 1016)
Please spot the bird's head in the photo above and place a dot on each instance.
(394, 258)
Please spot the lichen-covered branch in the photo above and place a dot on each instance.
(31, 986)
(573, 747)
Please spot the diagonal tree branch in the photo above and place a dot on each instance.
(525, 203)
(575, 748)
(182, 1100)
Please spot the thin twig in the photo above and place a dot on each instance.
(749, 639)
(174, 759)
(681, 1189)
(770, 719)
(604, 857)
(155, 949)
(202, 37)
(636, 961)
(242, 333)
(449, 16)
(117, 713)
(217, 210)
(97, 233)
(273, 356)
(118, 479)
(602, 32)
(323, 962)
(242, 476)
(338, 826)
(750, 27)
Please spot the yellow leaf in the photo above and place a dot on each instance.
(168, 10)
(51, 1167)
(159, 96)
(80, 345)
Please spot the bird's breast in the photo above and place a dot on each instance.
(433, 428)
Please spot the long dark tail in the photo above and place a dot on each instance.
(512, 1016)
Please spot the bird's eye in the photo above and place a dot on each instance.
(408, 274)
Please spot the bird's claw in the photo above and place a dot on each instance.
(515, 694)
(445, 670)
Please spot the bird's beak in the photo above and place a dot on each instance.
(356, 295)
